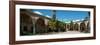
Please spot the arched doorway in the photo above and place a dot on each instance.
(82, 27)
(68, 27)
(26, 26)
(76, 26)
(40, 26)
(71, 26)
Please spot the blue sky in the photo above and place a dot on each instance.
(63, 15)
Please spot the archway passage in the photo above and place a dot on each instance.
(26, 25)
(71, 26)
(68, 27)
(83, 27)
(40, 26)
(76, 27)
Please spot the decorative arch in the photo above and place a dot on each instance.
(82, 27)
(40, 25)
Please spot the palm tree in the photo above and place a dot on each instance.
(54, 14)
(53, 22)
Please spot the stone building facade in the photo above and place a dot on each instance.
(32, 22)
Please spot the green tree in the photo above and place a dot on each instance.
(52, 24)
(86, 18)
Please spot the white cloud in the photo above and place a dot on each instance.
(37, 12)
(48, 16)
(75, 20)
(82, 19)
(67, 22)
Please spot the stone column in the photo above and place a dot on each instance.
(33, 21)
